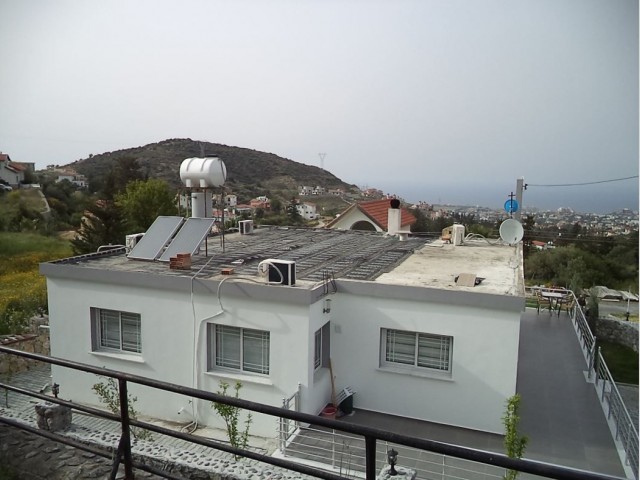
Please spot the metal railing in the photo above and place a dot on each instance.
(625, 430)
(371, 436)
(345, 454)
(287, 428)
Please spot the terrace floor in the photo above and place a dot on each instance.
(560, 411)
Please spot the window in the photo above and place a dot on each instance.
(321, 349)
(116, 331)
(413, 349)
(238, 349)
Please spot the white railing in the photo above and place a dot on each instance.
(345, 454)
(287, 428)
(624, 428)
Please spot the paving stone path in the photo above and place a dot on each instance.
(34, 457)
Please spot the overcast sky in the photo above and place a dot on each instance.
(446, 100)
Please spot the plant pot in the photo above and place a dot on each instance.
(329, 411)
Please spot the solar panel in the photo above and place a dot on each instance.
(189, 238)
(158, 235)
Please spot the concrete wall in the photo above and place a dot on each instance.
(485, 358)
(174, 349)
(35, 341)
(172, 328)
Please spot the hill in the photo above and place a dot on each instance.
(249, 172)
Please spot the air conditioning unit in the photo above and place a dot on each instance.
(281, 272)
(131, 241)
(246, 227)
(457, 234)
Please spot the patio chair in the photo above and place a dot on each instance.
(568, 303)
(543, 302)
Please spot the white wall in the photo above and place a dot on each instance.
(485, 354)
(347, 220)
(485, 350)
(167, 330)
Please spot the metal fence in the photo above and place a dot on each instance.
(370, 436)
(345, 454)
(624, 428)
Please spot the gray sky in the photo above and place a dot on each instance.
(433, 100)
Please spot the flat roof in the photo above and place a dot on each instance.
(350, 255)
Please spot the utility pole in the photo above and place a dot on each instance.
(519, 189)
(322, 155)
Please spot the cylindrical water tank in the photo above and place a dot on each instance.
(203, 172)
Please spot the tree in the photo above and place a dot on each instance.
(144, 200)
(126, 170)
(102, 224)
(514, 443)
(293, 215)
(239, 438)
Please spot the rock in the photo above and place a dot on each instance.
(53, 417)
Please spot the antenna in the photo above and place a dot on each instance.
(322, 155)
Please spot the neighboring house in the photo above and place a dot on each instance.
(230, 200)
(307, 210)
(305, 190)
(388, 313)
(72, 176)
(260, 202)
(12, 172)
(371, 216)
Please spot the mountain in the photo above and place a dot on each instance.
(249, 172)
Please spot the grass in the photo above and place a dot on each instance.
(20, 257)
(623, 316)
(622, 362)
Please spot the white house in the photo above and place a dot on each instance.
(12, 172)
(72, 176)
(307, 210)
(371, 215)
(398, 328)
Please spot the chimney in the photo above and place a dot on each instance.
(394, 220)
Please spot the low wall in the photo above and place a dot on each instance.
(34, 341)
(618, 331)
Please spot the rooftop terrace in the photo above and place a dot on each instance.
(352, 255)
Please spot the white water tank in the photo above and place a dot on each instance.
(457, 234)
(203, 172)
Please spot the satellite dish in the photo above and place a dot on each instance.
(511, 231)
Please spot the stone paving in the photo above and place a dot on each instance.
(55, 461)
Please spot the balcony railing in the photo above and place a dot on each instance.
(370, 436)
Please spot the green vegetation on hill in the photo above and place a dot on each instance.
(250, 173)
(22, 288)
(612, 262)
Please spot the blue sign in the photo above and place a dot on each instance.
(511, 206)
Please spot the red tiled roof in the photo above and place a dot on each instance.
(378, 211)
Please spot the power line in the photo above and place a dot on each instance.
(578, 184)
